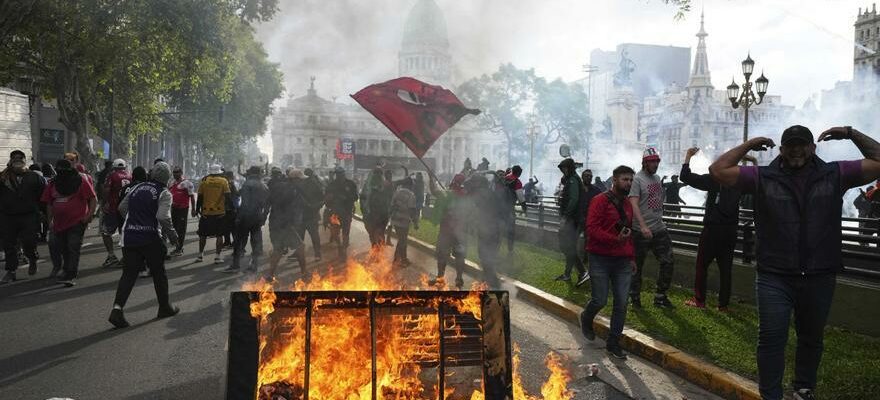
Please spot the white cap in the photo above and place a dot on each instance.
(215, 169)
(119, 163)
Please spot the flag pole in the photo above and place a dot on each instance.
(431, 172)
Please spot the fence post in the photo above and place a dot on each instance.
(748, 243)
(541, 215)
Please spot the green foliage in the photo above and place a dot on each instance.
(138, 59)
(516, 102)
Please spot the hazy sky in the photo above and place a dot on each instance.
(802, 46)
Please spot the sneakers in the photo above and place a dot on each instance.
(55, 272)
(32, 267)
(67, 279)
(663, 302)
(218, 260)
(230, 270)
(176, 253)
(587, 327)
(636, 302)
(693, 302)
(117, 318)
(616, 352)
(459, 283)
(583, 279)
(110, 261)
(563, 278)
(200, 258)
(804, 394)
(8, 277)
(165, 312)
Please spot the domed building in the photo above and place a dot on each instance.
(307, 130)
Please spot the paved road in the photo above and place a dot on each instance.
(57, 341)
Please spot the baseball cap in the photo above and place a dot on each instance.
(568, 162)
(118, 163)
(651, 154)
(796, 133)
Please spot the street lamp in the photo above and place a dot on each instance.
(747, 99)
(532, 133)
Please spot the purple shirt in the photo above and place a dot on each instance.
(850, 177)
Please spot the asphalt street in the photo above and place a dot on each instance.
(57, 343)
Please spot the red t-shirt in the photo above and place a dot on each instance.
(181, 191)
(67, 211)
(115, 182)
(517, 184)
(602, 231)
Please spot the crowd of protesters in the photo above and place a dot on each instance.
(605, 233)
(797, 216)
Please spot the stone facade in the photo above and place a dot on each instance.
(306, 129)
(697, 115)
(866, 58)
(15, 125)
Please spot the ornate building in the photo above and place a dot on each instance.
(306, 130)
(698, 115)
(866, 60)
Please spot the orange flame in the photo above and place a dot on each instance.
(340, 359)
(334, 220)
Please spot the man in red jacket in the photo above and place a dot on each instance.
(612, 257)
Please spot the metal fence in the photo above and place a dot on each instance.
(861, 249)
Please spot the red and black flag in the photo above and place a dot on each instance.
(416, 112)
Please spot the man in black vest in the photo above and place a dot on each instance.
(798, 201)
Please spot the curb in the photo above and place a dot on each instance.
(701, 373)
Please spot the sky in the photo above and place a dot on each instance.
(801, 46)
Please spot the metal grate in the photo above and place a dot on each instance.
(465, 341)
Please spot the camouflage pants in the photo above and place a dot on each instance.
(661, 245)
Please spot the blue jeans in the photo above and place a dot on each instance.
(810, 299)
(614, 273)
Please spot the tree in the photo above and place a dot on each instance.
(512, 99)
(103, 57)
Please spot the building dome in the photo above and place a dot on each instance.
(425, 26)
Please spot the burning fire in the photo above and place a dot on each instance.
(334, 220)
(340, 358)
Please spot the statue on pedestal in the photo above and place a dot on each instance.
(623, 76)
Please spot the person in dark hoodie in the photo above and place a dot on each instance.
(20, 190)
(285, 214)
(147, 211)
(250, 218)
(313, 196)
(571, 212)
(718, 238)
(70, 205)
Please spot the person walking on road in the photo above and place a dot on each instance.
(798, 207)
(183, 198)
(250, 219)
(612, 257)
(340, 198)
(313, 196)
(214, 196)
(572, 208)
(646, 197)
(20, 191)
(403, 215)
(285, 214)
(486, 211)
(147, 211)
(111, 219)
(70, 206)
(449, 214)
(718, 238)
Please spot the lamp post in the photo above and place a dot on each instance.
(532, 133)
(747, 99)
